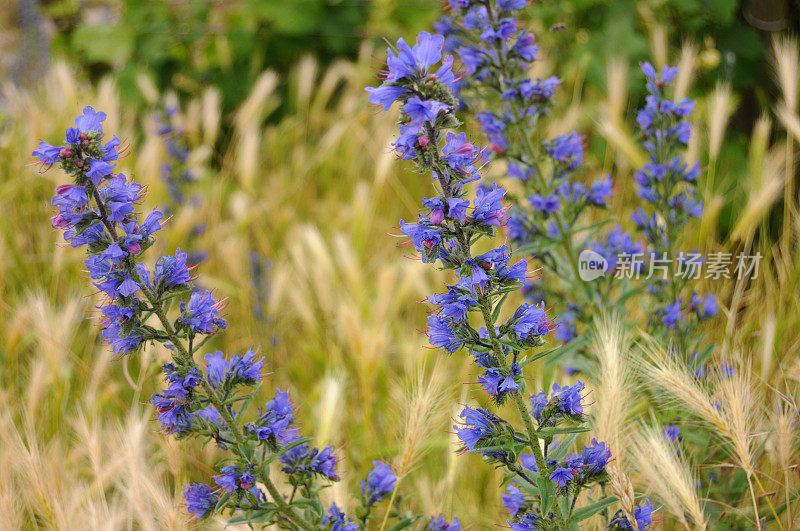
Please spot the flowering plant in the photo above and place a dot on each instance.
(666, 184)
(544, 482)
(553, 215)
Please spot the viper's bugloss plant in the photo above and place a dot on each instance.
(209, 400)
(667, 186)
(553, 215)
(545, 481)
(176, 172)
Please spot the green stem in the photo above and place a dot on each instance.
(533, 437)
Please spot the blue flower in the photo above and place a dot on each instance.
(231, 478)
(208, 414)
(90, 120)
(726, 369)
(567, 149)
(472, 57)
(529, 461)
(303, 459)
(110, 153)
(151, 224)
(600, 191)
(478, 426)
(406, 143)
(643, 514)
(539, 91)
(568, 398)
(200, 315)
(671, 433)
(274, 423)
(416, 60)
(379, 483)
(97, 170)
(496, 382)
(457, 209)
(440, 524)
(423, 110)
(242, 369)
(530, 322)
(561, 476)
(385, 95)
(454, 305)
(47, 154)
(489, 206)
(538, 403)
(505, 30)
(594, 458)
(200, 499)
(424, 238)
(441, 334)
(672, 314)
(460, 154)
(173, 403)
(528, 522)
(547, 205)
(113, 253)
(615, 243)
(216, 367)
(128, 287)
(493, 127)
(513, 500)
(119, 341)
(706, 307)
(172, 270)
(511, 4)
(337, 521)
(525, 48)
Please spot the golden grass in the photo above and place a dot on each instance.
(614, 389)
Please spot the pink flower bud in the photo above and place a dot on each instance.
(65, 152)
(423, 141)
(58, 222)
(437, 216)
(134, 248)
(79, 164)
(63, 188)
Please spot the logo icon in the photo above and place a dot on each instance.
(591, 265)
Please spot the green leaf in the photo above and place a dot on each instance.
(255, 517)
(405, 523)
(223, 500)
(537, 356)
(585, 512)
(529, 488)
(512, 344)
(499, 306)
(563, 447)
(549, 432)
(547, 492)
(568, 349)
(563, 504)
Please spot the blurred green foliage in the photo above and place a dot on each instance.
(188, 45)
